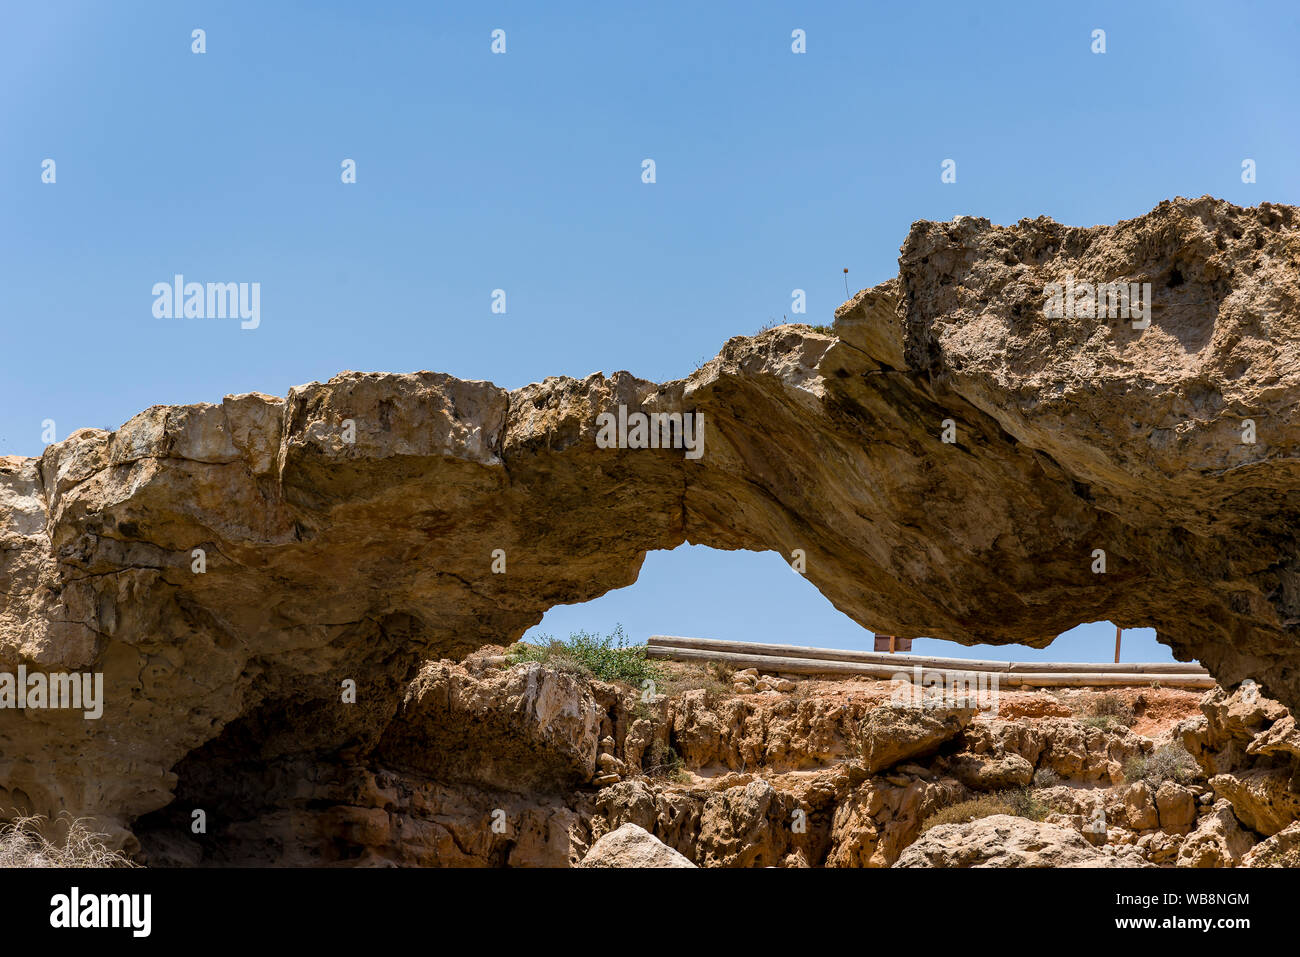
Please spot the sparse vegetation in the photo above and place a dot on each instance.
(1017, 802)
(1108, 711)
(663, 760)
(23, 844)
(986, 805)
(1103, 721)
(611, 658)
(804, 690)
(1170, 762)
(1025, 802)
(713, 677)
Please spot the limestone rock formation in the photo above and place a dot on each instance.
(487, 764)
(531, 726)
(1263, 800)
(229, 567)
(1064, 746)
(1218, 841)
(1248, 745)
(876, 821)
(1280, 850)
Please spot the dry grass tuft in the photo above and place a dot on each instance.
(23, 844)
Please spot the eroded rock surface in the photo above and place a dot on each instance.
(1249, 747)
(529, 794)
(332, 556)
(1005, 841)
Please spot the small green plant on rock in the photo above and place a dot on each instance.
(608, 658)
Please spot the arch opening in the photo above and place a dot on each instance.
(703, 592)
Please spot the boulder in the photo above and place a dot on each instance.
(1264, 799)
(1139, 807)
(1005, 841)
(632, 846)
(1177, 808)
(891, 735)
(982, 772)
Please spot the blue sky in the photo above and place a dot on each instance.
(522, 172)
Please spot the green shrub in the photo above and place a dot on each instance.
(663, 759)
(610, 658)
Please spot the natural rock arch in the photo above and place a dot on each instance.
(329, 559)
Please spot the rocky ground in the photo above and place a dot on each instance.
(490, 763)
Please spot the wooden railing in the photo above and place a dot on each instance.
(794, 660)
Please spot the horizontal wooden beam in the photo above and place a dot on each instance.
(964, 664)
(910, 668)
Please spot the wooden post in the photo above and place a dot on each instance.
(1118, 631)
(893, 642)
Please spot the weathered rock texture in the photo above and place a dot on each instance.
(1249, 748)
(330, 560)
(793, 779)
(1005, 841)
(725, 779)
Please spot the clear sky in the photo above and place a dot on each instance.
(522, 171)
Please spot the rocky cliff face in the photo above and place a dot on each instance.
(355, 529)
(488, 764)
